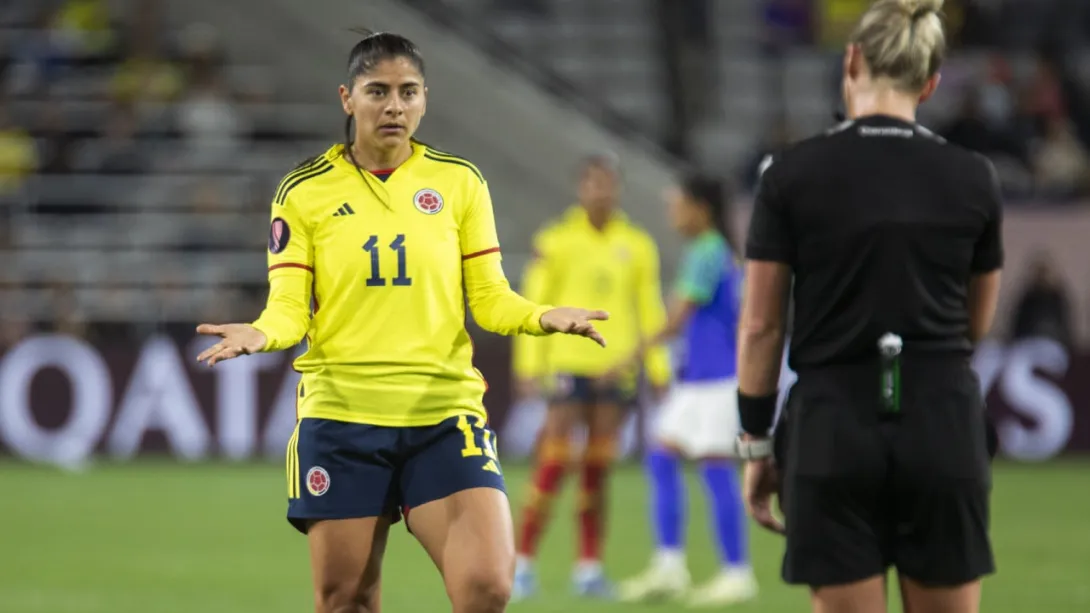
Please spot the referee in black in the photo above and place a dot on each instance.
(889, 239)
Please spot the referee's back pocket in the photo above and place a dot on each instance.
(945, 432)
(830, 434)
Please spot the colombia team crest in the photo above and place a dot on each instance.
(317, 481)
(428, 201)
(279, 235)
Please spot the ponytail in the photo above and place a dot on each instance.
(903, 40)
(712, 193)
(723, 223)
(348, 138)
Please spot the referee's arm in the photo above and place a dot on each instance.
(762, 324)
(987, 262)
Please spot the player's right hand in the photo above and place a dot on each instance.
(570, 320)
(235, 340)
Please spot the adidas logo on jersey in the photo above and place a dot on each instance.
(344, 210)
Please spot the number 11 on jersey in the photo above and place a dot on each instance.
(398, 245)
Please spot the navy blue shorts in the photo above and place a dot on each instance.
(567, 388)
(341, 470)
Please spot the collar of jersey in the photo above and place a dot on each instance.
(886, 120)
(578, 215)
(336, 156)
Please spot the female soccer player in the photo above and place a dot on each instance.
(700, 418)
(370, 246)
(893, 239)
(592, 253)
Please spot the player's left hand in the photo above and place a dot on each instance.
(571, 320)
(761, 482)
(235, 340)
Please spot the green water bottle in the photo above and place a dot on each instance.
(889, 348)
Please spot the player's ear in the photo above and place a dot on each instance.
(853, 62)
(930, 87)
(424, 110)
(346, 99)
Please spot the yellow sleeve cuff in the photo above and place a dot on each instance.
(533, 322)
(271, 342)
(257, 325)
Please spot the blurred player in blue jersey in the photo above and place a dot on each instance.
(699, 420)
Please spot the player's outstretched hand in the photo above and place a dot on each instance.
(760, 484)
(570, 320)
(235, 340)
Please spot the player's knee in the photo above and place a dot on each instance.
(560, 421)
(346, 597)
(600, 451)
(484, 591)
(555, 451)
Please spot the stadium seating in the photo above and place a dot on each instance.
(521, 88)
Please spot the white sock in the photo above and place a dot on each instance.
(670, 558)
(586, 569)
(739, 570)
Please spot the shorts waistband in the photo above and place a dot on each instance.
(911, 361)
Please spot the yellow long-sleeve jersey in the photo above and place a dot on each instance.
(616, 269)
(376, 274)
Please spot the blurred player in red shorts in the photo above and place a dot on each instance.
(592, 253)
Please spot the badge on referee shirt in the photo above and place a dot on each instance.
(279, 235)
(428, 201)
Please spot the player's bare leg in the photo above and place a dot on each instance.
(603, 427)
(346, 562)
(469, 536)
(553, 459)
(866, 596)
(919, 598)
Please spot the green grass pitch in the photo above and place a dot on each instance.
(161, 537)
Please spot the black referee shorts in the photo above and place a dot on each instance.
(864, 491)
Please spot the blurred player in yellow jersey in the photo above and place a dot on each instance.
(592, 254)
(374, 248)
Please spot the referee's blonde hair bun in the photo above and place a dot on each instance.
(903, 40)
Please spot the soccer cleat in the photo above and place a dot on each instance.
(659, 582)
(525, 585)
(593, 585)
(727, 588)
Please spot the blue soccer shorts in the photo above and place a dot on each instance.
(342, 470)
(564, 388)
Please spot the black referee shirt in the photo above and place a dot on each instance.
(882, 223)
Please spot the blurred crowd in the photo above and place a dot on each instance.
(1017, 84)
(152, 127)
(1036, 130)
(124, 133)
(152, 83)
